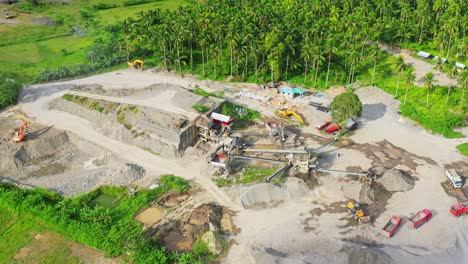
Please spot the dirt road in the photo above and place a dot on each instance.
(155, 165)
(421, 67)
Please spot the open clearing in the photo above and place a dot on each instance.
(312, 206)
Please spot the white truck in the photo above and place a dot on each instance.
(454, 178)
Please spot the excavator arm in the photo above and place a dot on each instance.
(135, 64)
(289, 112)
(21, 134)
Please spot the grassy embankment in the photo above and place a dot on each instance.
(26, 48)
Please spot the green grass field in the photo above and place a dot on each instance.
(27, 47)
(39, 246)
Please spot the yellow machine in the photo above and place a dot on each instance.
(137, 64)
(357, 212)
(288, 112)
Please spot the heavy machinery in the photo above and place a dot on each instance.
(137, 64)
(356, 210)
(286, 112)
(22, 132)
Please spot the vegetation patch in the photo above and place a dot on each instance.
(10, 87)
(250, 175)
(110, 229)
(201, 108)
(463, 148)
(243, 116)
(198, 90)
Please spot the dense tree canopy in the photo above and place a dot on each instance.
(278, 39)
(344, 106)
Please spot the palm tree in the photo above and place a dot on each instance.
(463, 82)
(428, 82)
(375, 53)
(410, 77)
(400, 67)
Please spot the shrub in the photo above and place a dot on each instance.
(345, 106)
(174, 182)
(463, 148)
(201, 108)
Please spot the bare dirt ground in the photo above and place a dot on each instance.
(278, 234)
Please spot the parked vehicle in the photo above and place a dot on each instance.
(419, 218)
(332, 128)
(323, 125)
(323, 109)
(350, 124)
(454, 178)
(459, 209)
(357, 212)
(391, 227)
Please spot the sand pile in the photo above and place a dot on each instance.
(45, 151)
(264, 195)
(397, 181)
(297, 187)
(122, 175)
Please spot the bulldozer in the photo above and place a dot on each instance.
(21, 133)
(286, 112)
(137, 64)
(357, 212)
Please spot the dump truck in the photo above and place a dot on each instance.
(454, 178)
(357, 212)
(323, 125)
(419, 218)
(392, 226)
(332, 128)
(459, 209)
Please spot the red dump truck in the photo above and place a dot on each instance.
(459, 209)
(419, 218)
(332, 128)
(391, 227)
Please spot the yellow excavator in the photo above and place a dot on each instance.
(357, 212)
(286, 112)
(137, 64)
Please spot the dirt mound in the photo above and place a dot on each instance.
(297, 187)
(397, 181)
(365, 255)
(367, 194)
(264, 195)
(45, 151)
(122, 175)
(309, 179)
(207, 215)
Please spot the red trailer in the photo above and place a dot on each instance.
(419, 218)
(332, 128)
(459, 209)
(391, 227)
(323, 125)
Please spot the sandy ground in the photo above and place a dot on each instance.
(278, 235)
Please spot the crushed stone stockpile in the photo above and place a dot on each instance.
(263, 195)
(162, 133)
(44, 151)
(59, 161)
(397, 181)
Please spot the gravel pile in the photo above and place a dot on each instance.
(397, 181)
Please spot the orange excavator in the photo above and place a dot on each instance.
(21, 134)
(137, 64)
